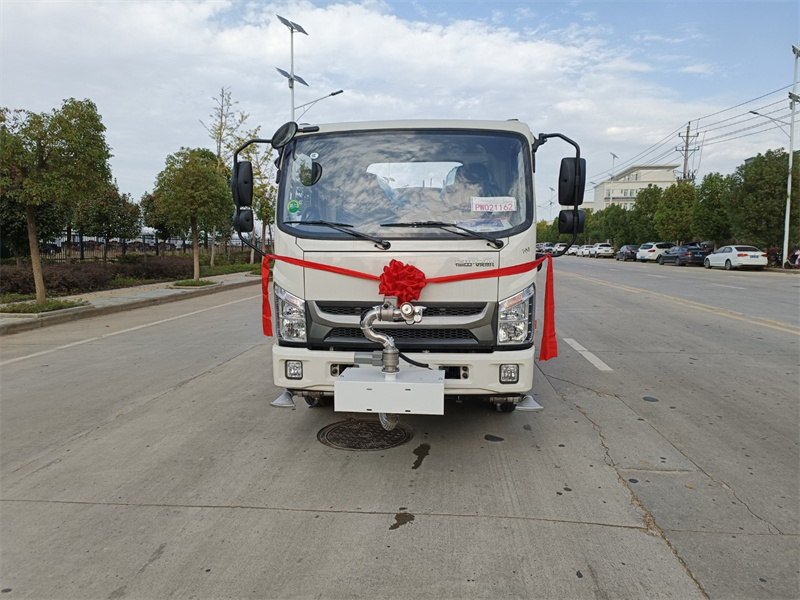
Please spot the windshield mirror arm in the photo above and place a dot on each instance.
(234, 179)
(577, 226)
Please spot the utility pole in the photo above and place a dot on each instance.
(686, 149)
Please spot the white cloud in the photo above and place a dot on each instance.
(153, 68)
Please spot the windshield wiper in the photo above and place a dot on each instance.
(343, 227)
(497, 243)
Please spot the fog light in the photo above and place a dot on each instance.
(294, 369)
(509, 373)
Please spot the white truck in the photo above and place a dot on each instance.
(369, 218)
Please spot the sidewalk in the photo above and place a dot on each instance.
(111, 301)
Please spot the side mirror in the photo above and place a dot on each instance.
(308, 171)
(571, 221)
(243, 221)
(571, 181)
(284, 135)
(243, 186)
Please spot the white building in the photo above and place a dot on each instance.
(623, 188)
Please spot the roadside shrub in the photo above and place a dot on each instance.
(58, 278)
(75, 278)
(168, 267)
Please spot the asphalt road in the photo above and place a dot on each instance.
(139, 458)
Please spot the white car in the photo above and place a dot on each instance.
(736, 257)
(584, 250)
(602, 249)
(559, 248)
(652, 250)
(573, 250)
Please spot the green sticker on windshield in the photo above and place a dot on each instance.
(293, 206)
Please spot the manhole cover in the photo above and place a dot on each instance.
(363, 435)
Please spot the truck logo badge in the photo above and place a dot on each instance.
(480, 262)
(293, 206)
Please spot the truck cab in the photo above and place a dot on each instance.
(446, 200)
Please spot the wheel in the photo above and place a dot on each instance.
(388, 421)
(616, 258)
(728, 265)
(707, 264)
(660, 260)
(678, 262)
(318, 402)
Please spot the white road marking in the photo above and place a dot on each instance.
(601, 366)
(733, 287)
(659, 276)
(113, 333)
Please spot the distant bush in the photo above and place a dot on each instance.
(75, 278)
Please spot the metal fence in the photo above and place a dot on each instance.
(89, 248)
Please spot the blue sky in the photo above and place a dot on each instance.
(621, 77)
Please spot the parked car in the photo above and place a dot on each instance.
(684, 255)
(602, 249)
(573, 250)
(652, 250)
(584, 250)
(559, 248)
(626, 253)
(737, 257)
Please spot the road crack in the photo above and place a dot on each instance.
(651, 527)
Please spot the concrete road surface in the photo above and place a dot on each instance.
(140, 459)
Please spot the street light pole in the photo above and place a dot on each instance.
(614, 157)
(313, 102)
(793, 100)
(290, 75)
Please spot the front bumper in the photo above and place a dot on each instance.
(468, 374)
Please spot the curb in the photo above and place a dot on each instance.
(84, 312)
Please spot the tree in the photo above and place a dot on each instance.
(152, 217)
(14, 228)
(113, 215)
(227, 130)
(673, 214)
(264, 195)
(709, 214)
(757, 200)
(616, 228)
(593, 231)
(223, 128)
(51, 159)
(190, 190)
(643, 212)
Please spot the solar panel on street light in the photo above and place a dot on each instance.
(291, 24)
(296, 78)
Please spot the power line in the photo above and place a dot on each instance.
(728, 129)
(719, 112)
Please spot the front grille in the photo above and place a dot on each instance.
(430, 310)
(463, 327)
(412, 333)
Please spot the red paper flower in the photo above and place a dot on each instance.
(404, 281)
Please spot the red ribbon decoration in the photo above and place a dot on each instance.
(406, 282)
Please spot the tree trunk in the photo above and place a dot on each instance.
(263, 237)
(196, 250)
(213, 244)
(36, 258)
(68, 247)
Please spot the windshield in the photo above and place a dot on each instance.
(374, 181)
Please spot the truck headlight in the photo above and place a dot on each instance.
(291, 312)
(515, 317)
